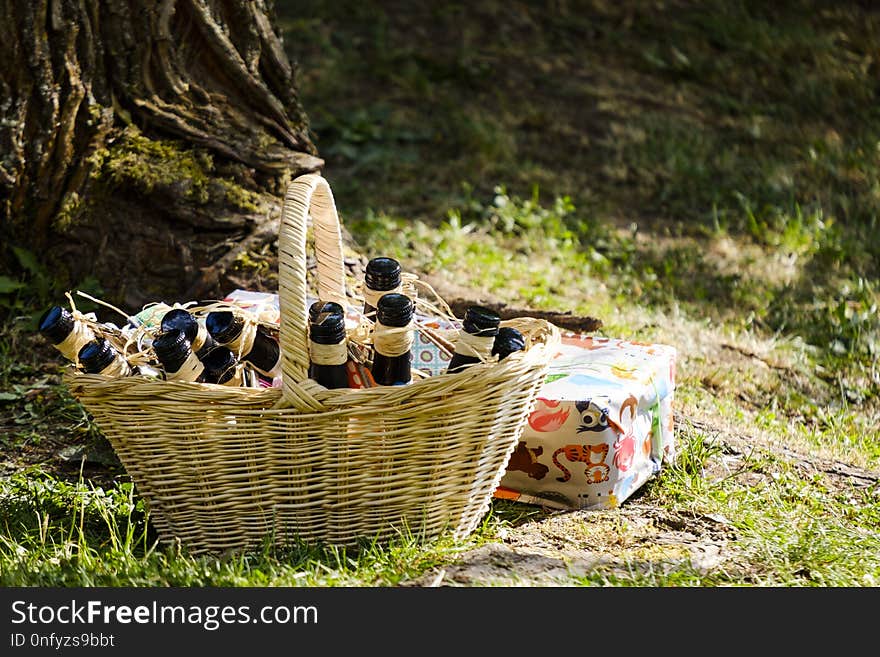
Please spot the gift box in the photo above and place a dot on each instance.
(264, 305)
(428, 356)
(602, 425)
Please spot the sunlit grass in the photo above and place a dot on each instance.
(61, 533)
(790, 530)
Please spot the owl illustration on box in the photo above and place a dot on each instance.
(594, 414)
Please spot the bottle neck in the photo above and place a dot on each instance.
(220, 364)
(328, 354)
(475, 345)
(203, 342)
(190, 370)
(257, 347)
(371, 296)
(381, 276)
(264, 354)
(79, 336)
(101, 357)
(239, 339)
(117, 367)
(508, 341)
(393, 340)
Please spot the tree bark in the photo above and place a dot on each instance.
(142, 142)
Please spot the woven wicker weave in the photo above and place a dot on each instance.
(227, 468)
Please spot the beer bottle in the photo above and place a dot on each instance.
(195, 331)
(223, 368)
(67, 334)
(393, 340)
(475, 339)
(319, 308)
(381, 276)
(507, 341)
(328, 346)
(253, 342)
(175, 354)
(98, 356)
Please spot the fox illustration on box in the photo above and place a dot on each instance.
(547, 416)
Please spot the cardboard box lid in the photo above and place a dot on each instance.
(588, 366)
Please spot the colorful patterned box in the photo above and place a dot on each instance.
(428, 356)
(261, 304)
(601, 427)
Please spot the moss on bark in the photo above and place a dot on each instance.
(165, 128)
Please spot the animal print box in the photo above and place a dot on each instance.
(601, 427)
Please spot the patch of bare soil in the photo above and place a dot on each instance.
(639, 536)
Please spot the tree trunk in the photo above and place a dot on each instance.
(145, 144)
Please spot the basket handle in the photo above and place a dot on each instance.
(307, 196)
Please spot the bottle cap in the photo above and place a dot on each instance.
(172, 349)
(180, 319)
(328, 328)
(56, 324)
(394, 309)
(96, 355)
(223, 325)
(324, 307)
(382, 273)
(219, 365)
(481, 321)
(507, 341)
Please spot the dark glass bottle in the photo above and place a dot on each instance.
(264, 352)
(197, 334)
(392, 358)
(64, 331)
(382, 275)
(477, 336)
(328, 347)
(507, 341)
(175, 354)
(100, 357)
(324, 307)
(221, 367)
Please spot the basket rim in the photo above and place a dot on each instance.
(512, 368)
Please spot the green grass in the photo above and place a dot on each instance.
(789, 530)
(58, 532)
(695, 173)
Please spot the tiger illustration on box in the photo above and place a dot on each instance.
(593, 458)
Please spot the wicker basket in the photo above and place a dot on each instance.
(227, 468)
